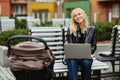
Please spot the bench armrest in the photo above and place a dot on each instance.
(104, 53)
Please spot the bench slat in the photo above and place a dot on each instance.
(50, 39)
(57, 52)
(95, 66)
(47, 34)
(55, 43)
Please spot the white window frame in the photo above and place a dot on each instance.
(115, 11)
(19, 9)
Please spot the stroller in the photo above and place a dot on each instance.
(30, 60)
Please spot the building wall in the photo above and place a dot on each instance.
(43, 6)
(5, 7)
(33, 7)
(102, 10)
(99, 10)
(68, 6)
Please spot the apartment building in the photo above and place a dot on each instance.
(105, 10)
(97, 10)
(37, 8)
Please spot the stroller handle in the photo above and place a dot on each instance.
(25, 37)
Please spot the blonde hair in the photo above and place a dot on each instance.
(73, 24)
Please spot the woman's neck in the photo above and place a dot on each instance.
(81, 26)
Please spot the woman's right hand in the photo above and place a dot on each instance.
(64, 60)
(64, 57)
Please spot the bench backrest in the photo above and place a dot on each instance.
(53, 37)
(115, 38)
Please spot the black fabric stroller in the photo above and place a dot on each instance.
(30, 60)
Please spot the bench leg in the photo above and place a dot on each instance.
(97, 74)
(113, 65)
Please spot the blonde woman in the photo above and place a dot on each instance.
(80, 31)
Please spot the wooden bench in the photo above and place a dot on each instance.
(54, 38)
(114, 54)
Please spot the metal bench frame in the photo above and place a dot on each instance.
(114, 54)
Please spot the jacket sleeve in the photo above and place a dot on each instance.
(68, 36)
(93, 42)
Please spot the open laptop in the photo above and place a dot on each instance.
(77, 51)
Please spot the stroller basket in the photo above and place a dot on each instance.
(30, 60)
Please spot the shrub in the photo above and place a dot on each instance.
(47, 23)
(6, 34)
(104, 30)
(20, 24)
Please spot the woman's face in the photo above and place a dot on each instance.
(78, 16)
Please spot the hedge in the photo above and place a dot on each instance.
(103, 31)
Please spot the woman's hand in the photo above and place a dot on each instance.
(64, 57)
(64, 60)
(92, 56)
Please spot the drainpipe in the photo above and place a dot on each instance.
(0, 20)
(29, 1)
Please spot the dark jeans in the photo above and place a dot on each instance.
(85, 65)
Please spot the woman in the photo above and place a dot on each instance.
(80, 31)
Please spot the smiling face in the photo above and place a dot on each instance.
(78, 16)
(78, 19)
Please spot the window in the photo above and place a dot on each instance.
(16, 9)
(115, 11)
(19, 9)
(22, 9)
(45, 12)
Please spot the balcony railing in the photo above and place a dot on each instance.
(16, 1)
(45, 0)
(106, 0)
(19, 0)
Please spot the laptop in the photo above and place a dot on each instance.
(77, 51)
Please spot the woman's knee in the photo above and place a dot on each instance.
(86, 63)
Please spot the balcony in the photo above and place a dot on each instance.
(45, 0)
(25, 1)
(107, 0)
(19, 1)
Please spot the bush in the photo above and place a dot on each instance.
(104, 30)
(20, 24)
(6, 34)
(47, 23)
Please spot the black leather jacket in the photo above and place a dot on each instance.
(90, 37)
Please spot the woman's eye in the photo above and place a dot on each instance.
(79, 13)
(75, 15)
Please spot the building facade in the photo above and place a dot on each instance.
(36, 8)
(97, 10)
(105, 10)
(71, 4)
(4, 7)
